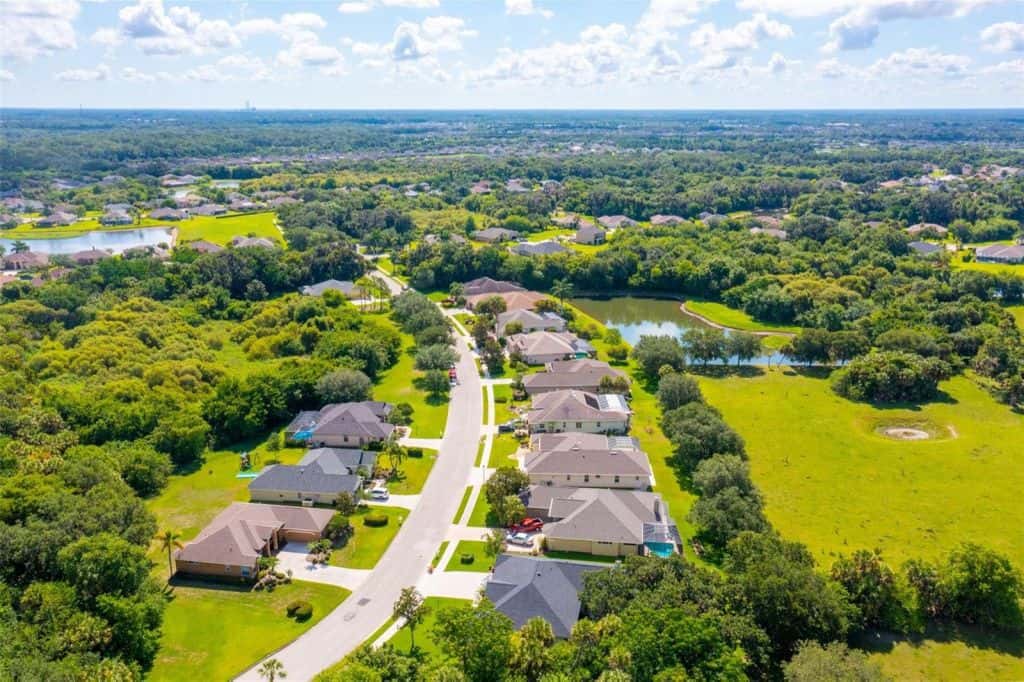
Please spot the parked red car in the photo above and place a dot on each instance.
(527, 525)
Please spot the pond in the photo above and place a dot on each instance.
(114, 241)
(634, 317)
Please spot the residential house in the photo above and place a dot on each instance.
(454, 237)
(518, 186)
(590, 234)
(525, 587)
(208, 210)
(118, 208)
(582, 375)
(529, 321)
(493, 235)
(203, 246)
(256, 242)
(157, 252)
(277, 202)
(1000, 253)
(514, 300)
(544, 248)
(572, 410)
(925, 248)
(168, 214)
(614, 222)
(587, 460)
(242, 205)
(57, 218)
(25, 260)
(116, 218)
(480, 187)
(538, 348)
(171, 180)
(346, 288)
(232, 544)
(603, 521)
(712, 219)
(570, 220)
(88, 257)
(343, 425)
(319, 478)
(660, 219)
(918, 229)
(486, 285)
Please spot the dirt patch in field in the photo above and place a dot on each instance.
(915, 431)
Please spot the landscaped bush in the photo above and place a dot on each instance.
(466, 558)
(300, 610)
(501, 398)
(414, 452)
(375, 520)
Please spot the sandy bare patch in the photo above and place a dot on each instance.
(905, 433)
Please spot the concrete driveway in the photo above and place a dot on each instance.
(293, 556)
(408, 556)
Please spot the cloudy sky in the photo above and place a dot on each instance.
(679, 54)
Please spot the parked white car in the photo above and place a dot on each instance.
(521, 539)
(379, 493)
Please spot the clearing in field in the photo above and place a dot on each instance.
(834, 479)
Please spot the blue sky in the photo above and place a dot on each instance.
(677, 54)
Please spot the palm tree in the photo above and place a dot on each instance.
(562, 289)
(410, 606)
(169, 541)
(272, 669)
(19, 247)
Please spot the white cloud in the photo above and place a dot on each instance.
(33, 29)
(100, 73)
(526, 8)
(920, 62)
(858, 28)
(130, 73)
(598, 55)
(745, 35)
(413, 41)
(355, 7)
(177, 30)
(1015, 67)
(1007, 36)
(412, 4)
(779, 64)
(834, 69)
(6, 76)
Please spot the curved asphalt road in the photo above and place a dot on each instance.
(409, 554)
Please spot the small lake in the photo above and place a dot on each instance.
(114, 241)
(635, 317)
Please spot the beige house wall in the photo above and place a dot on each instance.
(614, 426)
(215, 570)
(590, 547)
(591, 481)
(287, 496)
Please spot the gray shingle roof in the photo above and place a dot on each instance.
(574, 405)
(486, 285)
(345, 287)
(304, 479)
(524, 587)
(586, 460)
(545, 248)
(598, 514)
(340, 460)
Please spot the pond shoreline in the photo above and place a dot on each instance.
(682, 308)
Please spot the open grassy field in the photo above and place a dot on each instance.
(220, 230)
(948, 655)
(549, 234)
(402, 640)
(474, 548)
(367, 544)
(992, 268)
(833, 482)
(1018, 314)
(413, 473)
(214, 632)
(722, 314)
(398, 385)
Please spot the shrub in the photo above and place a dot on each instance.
(375, 520)
(890, 376)
(501, 398)
(300, 610)
(466, 558)
(414, 452)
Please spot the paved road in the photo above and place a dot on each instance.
(408, 556)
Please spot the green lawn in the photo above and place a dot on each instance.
(581, 556)
(190, 501)
(991, 268)
(462, 504)
(414, 472)
(544, 235)
(481, 514)
(948, 656)
(475, 548)
(504, 446)
(220, 230)
(503, 410)
(396, 385)
(424, 641)
(439, 554)
(674, 490)
(88, 224)
(722, 314)
(367, 544)
(214, 632)
(832, 482)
